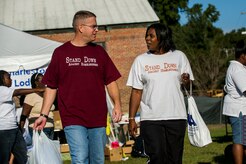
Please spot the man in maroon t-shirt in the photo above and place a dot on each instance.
(78, 73)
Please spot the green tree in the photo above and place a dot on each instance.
(200, 27)
(201, 42)
(207, 48)
(232, 37)
(168, 10)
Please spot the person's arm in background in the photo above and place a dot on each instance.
(114, 94)
(19, 92)
(49, 98)
(135, 99)
(26, 110)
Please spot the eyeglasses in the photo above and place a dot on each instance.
(94, 27)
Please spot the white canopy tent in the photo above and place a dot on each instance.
(23, 54)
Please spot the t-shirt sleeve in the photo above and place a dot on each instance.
(51, 75)
(111, 73)
(134, 78)
(239, 79)
(186, 68)
(29, 100)
(6, 94)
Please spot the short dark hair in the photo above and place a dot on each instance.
(2, 72)
(240, 48)
(164, 36)
(82, 14)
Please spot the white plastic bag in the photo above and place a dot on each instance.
(44, 150)
(198, 132)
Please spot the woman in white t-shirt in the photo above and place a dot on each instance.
(32, 108)
(156, 78)
(235, 100)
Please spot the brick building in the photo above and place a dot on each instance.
(122, 26)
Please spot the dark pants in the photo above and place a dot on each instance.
(164, 140)
(12, 141)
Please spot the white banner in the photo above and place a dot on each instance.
(22, 77)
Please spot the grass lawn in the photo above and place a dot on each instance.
(211, 154)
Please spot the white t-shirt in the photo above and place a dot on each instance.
(159, 78)
(235, 85)
(8, 119)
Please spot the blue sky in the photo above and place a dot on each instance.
(230, 13)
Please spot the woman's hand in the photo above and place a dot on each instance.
(185, 79)
(132, 128)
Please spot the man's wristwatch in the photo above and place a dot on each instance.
(44, 115)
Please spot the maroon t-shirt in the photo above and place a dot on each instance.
(80, 75)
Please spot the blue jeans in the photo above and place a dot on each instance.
(12, 141)
(238, 125)
(86, 144)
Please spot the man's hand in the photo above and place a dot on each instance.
(39, 123)
(116, 114)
